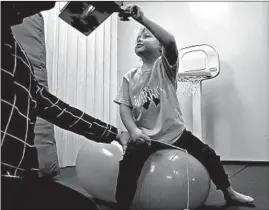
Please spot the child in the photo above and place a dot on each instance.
(150, 110)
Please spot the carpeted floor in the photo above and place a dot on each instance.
(251, 179)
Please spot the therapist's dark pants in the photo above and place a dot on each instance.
(41, 194)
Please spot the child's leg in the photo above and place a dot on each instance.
(208, 157)
(129, 172)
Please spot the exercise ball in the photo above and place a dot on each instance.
(170, 179)
(97, 167)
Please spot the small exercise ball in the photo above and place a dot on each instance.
(167, 178)
(97, 167)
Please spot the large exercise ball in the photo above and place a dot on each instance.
(170, 179)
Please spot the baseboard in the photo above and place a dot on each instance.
(64, 167)
(224, 162)
(249, 163)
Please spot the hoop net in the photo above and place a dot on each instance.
(191, 84)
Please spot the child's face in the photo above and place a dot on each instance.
(146, 43)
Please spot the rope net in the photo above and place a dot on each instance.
(190, 84)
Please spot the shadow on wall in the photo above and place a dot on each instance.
(222, 108)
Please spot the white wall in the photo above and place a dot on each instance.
(235, 104)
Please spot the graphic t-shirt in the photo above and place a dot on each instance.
(152, 96)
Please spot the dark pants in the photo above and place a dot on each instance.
(41, 194)
(136, 155)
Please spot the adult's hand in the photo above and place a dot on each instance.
(123, 138)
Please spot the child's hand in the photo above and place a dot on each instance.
(139, 136)
(135, 12)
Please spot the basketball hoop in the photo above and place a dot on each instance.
(191, 84)
(196, 63)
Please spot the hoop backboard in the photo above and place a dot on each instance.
(196, 63)
(199, 60)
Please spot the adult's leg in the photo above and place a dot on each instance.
(10, 193)
(62, 197)
(42, 194)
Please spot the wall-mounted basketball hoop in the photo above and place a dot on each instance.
(196, 64)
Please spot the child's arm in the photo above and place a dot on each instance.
(127, 118)
(165, 38)
(128, 121)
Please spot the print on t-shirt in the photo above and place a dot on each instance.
(146, 96)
